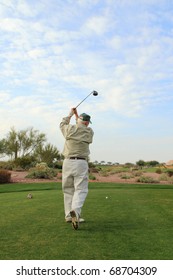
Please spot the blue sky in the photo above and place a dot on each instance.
(54, 53)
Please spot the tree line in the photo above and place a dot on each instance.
(28, 146)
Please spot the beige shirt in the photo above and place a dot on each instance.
(78, 137)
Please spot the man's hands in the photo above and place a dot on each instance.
(73, 111)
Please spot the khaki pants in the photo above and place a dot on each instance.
(74, 184)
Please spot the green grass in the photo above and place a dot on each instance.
(133, 223)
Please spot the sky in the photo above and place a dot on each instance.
(54, 53)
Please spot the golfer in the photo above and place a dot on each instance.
(75, 165)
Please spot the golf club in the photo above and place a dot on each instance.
(95, 93)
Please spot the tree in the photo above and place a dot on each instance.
(140, 163)
(23, 142)
(2, 148)
(47, 153)
(153, 163)
(129, 164)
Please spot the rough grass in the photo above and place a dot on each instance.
(122, 222)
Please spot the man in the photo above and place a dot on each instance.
(75, 165)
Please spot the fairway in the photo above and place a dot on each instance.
(123, 222)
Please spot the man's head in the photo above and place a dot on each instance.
(84, 118)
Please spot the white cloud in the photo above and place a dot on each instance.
(36, 53)
(11, 24)
(97, 24)
(116, 42)
(4, 97)
(26, 9)
(87, 3)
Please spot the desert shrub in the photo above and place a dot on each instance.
(41, 171)
(104, 173)
(40, 174)
(159, 171)
(91, 164)
(163, 177)
(92, 177)
(169, 172)
(5, 176)
(8, 165)
(137, 173)
(94, 169)
(126, 176)
(41, 165)
(59, 176)
(170, 180)
(147, 179)
(25, 162)
(57, 164)
(114, 171)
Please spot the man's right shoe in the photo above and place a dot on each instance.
(69, 220)
(75, 219)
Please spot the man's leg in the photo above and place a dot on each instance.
(81, 186)
(67, 187)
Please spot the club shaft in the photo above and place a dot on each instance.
(84, 99)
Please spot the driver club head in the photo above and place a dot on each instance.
(95, 93)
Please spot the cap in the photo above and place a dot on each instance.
(84, 117)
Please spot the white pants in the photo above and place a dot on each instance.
(74, 184)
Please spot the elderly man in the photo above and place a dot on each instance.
(75, 165)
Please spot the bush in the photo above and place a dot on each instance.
(126, 176)
(137, 173)
(40, 174)
(57, 165)
(8, 165)
(103, 173)
(163, 177)
(159, 171)
(59, 176)
(170, 180)
(147, 179)
(91, 165)
(5, 176)
(169, 172)
(114, 171)
(92, 177)
(41, 171)
(25, 162)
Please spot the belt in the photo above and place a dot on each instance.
(77, 158)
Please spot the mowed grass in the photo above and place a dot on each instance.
(132, 222)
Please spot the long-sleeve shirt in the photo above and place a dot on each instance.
(77, 139)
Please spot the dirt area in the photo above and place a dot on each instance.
(20, 177)
(116, 178)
